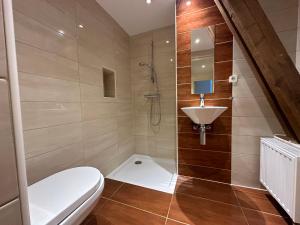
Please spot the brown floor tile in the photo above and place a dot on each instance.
(206, 189)
(117, 214)
(90, 220)
(196, 211)
(259, 200)
(99, 206)
(144, 198)
(258, 218)
(172, 222)
(110, 186)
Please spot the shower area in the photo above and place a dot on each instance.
(152, 67)
(94, 95)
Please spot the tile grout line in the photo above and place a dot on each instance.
(109, 199)
(170, 206)
(117, 190)
(260, 211)
(238, 201)
(211, 200)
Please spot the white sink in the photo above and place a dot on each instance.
(204, 115)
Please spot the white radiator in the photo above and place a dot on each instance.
(280, 173)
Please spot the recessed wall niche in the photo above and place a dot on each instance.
(109, 83)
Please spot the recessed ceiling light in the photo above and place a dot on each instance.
(197, 41)
(203, 66)
(167, 42)
(188, 3)
(80, 26)
(61, 32)
(171, 60)
(148, 1)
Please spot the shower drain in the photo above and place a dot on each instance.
(138, 162)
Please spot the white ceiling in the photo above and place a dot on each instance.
(136, 16)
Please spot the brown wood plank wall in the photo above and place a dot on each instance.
(213, 160)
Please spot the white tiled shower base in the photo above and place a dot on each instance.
(154, 173)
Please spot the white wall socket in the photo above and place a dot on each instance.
(233, 79)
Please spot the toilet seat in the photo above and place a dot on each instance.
(58, 198)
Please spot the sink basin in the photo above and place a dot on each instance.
(204, 115)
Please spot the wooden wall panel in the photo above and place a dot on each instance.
(213, 160)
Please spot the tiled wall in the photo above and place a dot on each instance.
(213, 160)
(252, 114)
(67, 121)
(154, 141)
(9, 192)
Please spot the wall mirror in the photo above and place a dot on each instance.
(202, 60)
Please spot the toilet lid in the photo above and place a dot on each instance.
(54, 198)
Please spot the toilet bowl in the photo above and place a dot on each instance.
(65, 198)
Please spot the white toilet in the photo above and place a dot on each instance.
(65, 198)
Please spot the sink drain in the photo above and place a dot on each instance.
(138, 162)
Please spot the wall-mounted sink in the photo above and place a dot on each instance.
(204, 115)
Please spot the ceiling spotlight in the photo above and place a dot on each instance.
(203, 66)
(171, 60)
(80, 26)
(148, 1)
(167, 42)
(197, 41)
(61, 32)
(188, 3)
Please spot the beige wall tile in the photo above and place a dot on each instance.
(43, 140)
(31, 32)
(35, 61)
(39, 88)
(251, 107)
(93, 111)
(247, 87)
(243, 144)
(285, 19)
(8, 173)
(91, 93)
(96, 145)
(242, 69)
(11, 213)
(67, 6)
(271, 5)
(245, 170)
(105, 161)
(94, 128)
(256, 126)
(44, 114)
(52, 162)
(90, 75)
(46, 14)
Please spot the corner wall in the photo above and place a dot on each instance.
(67, 121)
(253, 117)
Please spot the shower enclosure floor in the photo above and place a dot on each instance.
(148, 172)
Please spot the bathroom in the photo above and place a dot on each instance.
(153, 112)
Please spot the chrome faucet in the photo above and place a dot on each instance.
(201, 100)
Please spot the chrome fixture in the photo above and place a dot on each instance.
(155, 106)
(201, 100)
(202, 134)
